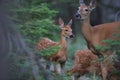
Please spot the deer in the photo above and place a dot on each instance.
(85, 62)
(59, 57)
(95, 35)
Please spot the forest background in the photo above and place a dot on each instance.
(35, 19)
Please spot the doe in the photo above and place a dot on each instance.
(95, 35)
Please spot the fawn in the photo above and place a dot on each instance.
(85, 62)
(60, 56)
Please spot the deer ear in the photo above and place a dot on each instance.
(61, 23)
(93, 4)
(81, 2)
(70, 23)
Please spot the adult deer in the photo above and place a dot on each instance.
(94, 35)
(60, 56)
(85, 62)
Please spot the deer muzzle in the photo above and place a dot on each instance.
(72, 36)
(77, 16)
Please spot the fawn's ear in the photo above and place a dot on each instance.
(61, 23)
(92, 4)
(81, 2)
(70, 23)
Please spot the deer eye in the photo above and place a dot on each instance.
(66, 30)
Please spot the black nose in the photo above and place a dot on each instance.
(77, 15)
(71, 36)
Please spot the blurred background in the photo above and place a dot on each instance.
(24, 22)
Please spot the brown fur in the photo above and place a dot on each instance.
(85, 62)
(61, 56)
(45, 43)
(95, 36)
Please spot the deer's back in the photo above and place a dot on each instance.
(105, 32)
(45, 43)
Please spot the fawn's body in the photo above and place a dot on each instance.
(61, 56)
(85, 62)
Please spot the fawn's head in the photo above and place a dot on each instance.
(85, 10)
(66, 29)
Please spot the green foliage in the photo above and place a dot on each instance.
(50, 51)
(112, 45)
(20, 64)
(34, 30)
(93, 76)
(36, 21)
(41, 11)
(102, 48)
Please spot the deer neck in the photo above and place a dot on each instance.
(87, 29)
(63, 42)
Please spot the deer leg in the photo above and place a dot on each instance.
(104, 71)
(55, 67)
(48, 65)
(62, 65)
(75, 77)
(113, 78)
